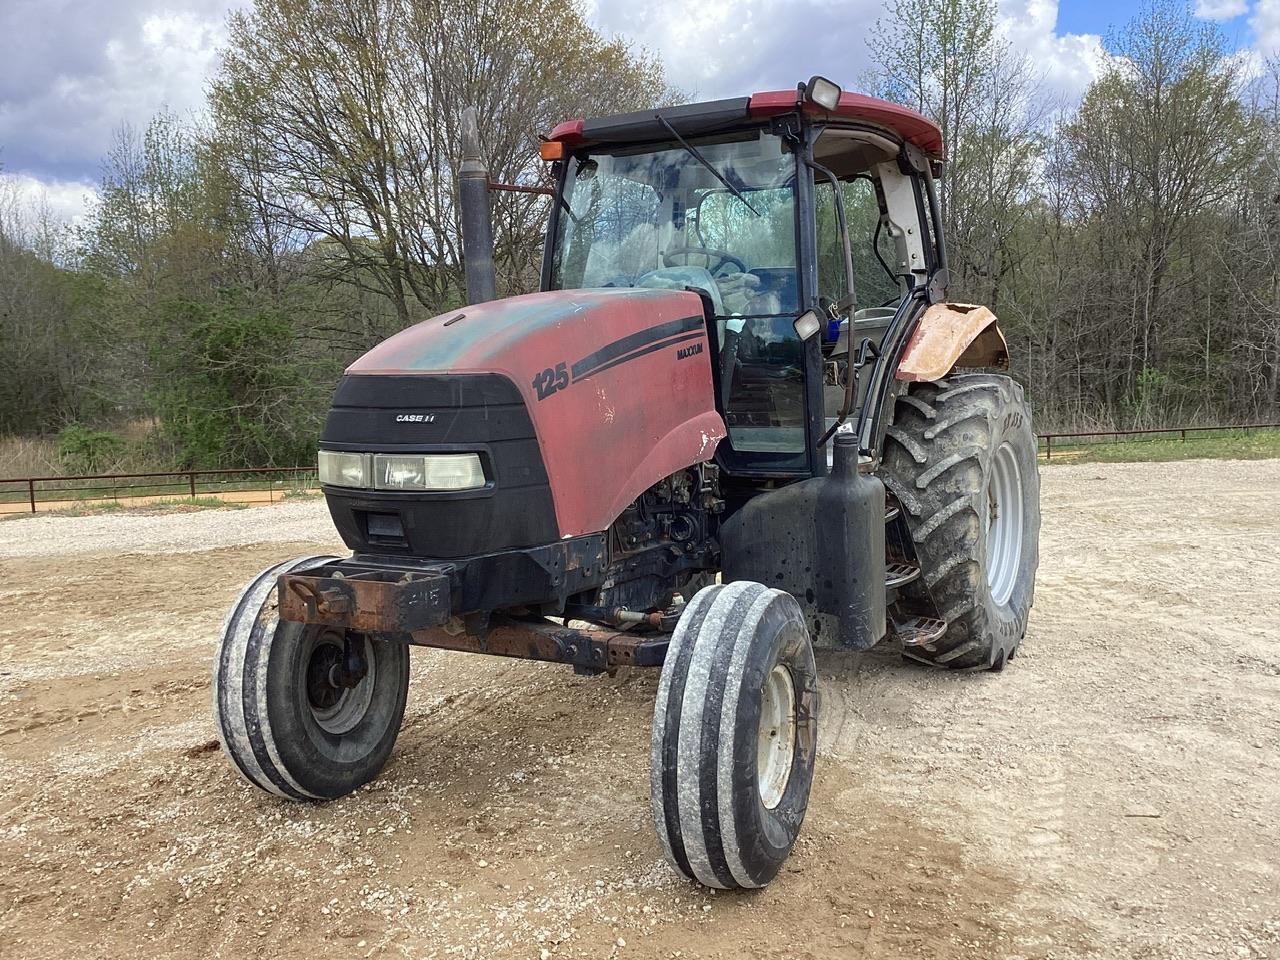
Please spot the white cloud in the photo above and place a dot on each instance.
(1220, 9)
(731, 48)
(69, 75)
(1067, 62)
(1266, 27)
(725, 48)
(66, 201)
(72, 70)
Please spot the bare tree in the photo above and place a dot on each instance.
(347, 113)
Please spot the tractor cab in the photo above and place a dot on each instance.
(803, 219)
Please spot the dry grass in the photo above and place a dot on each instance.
(29, 457)
(22, 457)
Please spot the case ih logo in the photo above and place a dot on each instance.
(415, 418)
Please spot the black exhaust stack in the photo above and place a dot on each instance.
(477, 227)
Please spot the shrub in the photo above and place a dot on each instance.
(230, 389)
(83, 449)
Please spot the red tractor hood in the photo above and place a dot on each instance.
(617, 383)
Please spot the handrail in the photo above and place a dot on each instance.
(222, 471)
(191, 475)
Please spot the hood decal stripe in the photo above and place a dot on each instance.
(636, 354)
(620, 350)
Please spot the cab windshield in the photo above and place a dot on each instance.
(651, 216)
(646, 217)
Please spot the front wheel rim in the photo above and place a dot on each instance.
(1004, 524)
(336, 709)
(776, 741)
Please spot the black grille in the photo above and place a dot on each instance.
(483, 413)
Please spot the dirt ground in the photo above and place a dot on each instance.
(1114, 793)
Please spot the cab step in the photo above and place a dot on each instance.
(917, 631)
(900, 572)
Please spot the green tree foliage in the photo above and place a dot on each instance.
(228, 390)
(232, 267)
(166, 217)
(84, 450)
(1153, 156)
(51, 323)
(230, 270)
(947, 59)
(1111, 240)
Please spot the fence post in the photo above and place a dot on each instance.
(1048, 446)
(192, 477)
(1184, 434)
(31, 492)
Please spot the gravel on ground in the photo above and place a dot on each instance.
(1113, 793)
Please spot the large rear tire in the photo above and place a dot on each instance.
(734, 735)
(961, 459)
(286, 723)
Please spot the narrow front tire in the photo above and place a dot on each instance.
(289, 719)
(734, 735)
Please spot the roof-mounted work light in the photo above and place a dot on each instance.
(822, 92)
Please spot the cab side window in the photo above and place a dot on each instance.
(875, 285)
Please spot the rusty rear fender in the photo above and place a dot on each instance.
(951, 335)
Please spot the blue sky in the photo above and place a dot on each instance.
(1105, 16)
(73, 70)
(1095, 16)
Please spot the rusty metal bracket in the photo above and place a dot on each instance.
(371, 601)
(553, 643)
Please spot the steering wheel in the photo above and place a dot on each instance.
(721, 257)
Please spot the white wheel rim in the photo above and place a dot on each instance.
(776, 743)
(1004, 524)
(353, 702)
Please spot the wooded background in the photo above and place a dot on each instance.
(237, 261)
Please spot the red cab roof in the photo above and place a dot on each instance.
(911, 126)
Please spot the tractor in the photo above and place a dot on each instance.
(740, 421)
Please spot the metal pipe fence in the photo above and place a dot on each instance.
(99, 487)
(1099, 437)
(93, 488)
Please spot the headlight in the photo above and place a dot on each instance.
(437, 471)
(343, 469)
(401, 471)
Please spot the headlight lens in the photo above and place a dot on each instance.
(401, 471)
(343, 469)
(439, 471)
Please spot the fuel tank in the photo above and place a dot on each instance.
(822, 540)
(576, 400)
